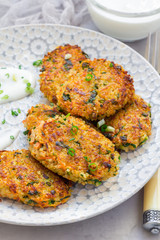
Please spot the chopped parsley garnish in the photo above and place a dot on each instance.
(20, 66)
(31, 202)
(90, 70)
(108, 151)
(123, 138)
(139, 124)
(33, 192)
(71, 151)
(26, 132)
(37, 63)
(51, 202)
(85, 65)
(96, 86)
(85, 54)
(87, 159)
(126, 144)
(12, 137)
(133, 145)
(1, 91)
(88, 77)
(66, 97)
(97, 182)
(31, 183)
(68, 64)
(92, 97)
(61, 144)
(107, 165)
(129, 144)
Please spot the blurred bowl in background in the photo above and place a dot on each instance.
(124, 19)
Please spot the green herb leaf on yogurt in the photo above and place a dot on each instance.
(5, 97)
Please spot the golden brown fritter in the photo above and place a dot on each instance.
(95, 89)
(56, 66)
(24, 179)
(132, 125)
(43, 112)
(38, 113)
(74, 150)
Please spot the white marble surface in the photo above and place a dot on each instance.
(123, 222)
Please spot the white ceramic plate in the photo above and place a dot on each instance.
(24, 44)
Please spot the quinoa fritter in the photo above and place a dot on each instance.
(38, 113)
(24, 179)
(95, 89)
(132, 125)
(74, 150)
(56, 66)
(43, 112)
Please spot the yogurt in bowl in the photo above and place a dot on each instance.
(126, 20)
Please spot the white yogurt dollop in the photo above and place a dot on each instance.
(7, 137)
(15, 84)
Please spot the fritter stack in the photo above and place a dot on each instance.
(94, 112)
(99, 90)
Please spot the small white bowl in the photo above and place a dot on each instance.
(123, 25)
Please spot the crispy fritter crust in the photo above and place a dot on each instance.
(24, 179)
(74, 150)
(95, 89)
(132, 125)
(38, 113)
(43, 112)
(56, 66)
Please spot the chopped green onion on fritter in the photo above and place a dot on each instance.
(37, 63)
(88, 77)
(71, 152)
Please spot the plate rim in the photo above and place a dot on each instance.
(127, 196)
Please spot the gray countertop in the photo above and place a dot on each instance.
(123, 222)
